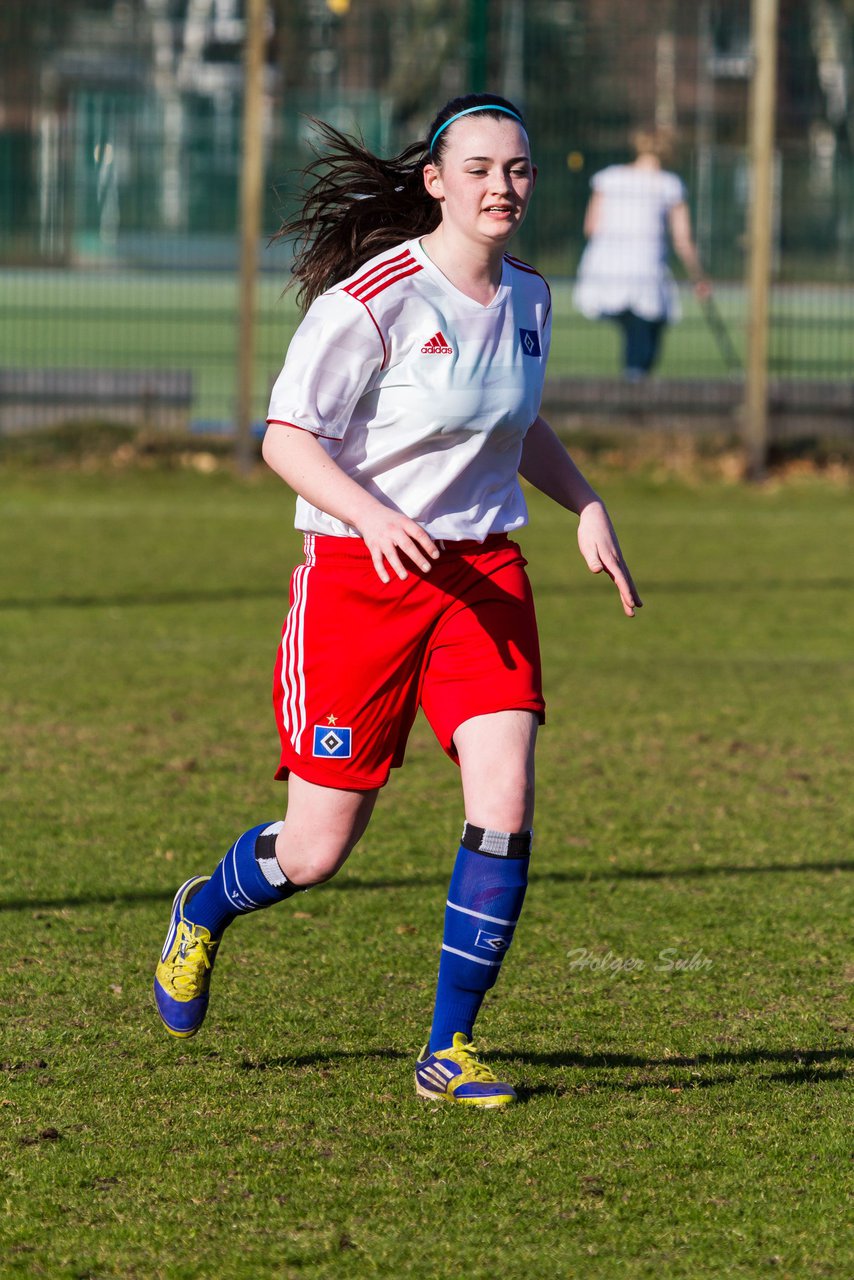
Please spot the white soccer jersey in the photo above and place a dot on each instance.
(419, 393)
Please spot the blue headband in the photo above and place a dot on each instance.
(490, 106)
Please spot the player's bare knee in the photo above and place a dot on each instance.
(308, 874)
(315, 863)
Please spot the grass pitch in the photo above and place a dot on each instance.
(676, 1008)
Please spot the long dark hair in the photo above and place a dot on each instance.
(356, 205)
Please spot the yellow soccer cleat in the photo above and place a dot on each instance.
(455, 1075)
(183, 976)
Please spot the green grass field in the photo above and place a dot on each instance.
(175, 320)
(686, 1120)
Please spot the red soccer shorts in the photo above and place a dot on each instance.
(358, 656)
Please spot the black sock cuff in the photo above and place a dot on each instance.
(497, 844)
(268, 864)
(265, 846)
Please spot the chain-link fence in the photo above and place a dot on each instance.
(120, 154)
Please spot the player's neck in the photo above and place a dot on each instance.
(475, 270)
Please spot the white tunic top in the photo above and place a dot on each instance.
(624, 265)
(419, 393)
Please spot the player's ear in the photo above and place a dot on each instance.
(433, 181)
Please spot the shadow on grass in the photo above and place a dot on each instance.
(352, 884)
(221, 595)
(701, 587)
(801, 1057)
(132, 899)
(804, 1060)
(806, 1066)
(677, 1084)
(326, 1058)
(612, 874)
(218, 595)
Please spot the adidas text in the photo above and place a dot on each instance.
(437, 346)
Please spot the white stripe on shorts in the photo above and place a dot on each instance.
(293, 673)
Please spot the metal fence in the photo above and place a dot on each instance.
(120, 154)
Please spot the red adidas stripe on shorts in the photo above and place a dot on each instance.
(358, 656)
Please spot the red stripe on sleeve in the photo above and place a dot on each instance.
(380, 268)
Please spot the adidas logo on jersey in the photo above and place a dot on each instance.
(437, 346)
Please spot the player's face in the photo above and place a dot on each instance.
(485, 179)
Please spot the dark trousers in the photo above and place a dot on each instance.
(641, 342)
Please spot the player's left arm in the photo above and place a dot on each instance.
(547, 465)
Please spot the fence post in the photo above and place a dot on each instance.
(761, 147)
(251, 182)
(478, 33)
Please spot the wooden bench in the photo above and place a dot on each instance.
(796, 406)
(37, 398)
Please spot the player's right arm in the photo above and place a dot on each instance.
(329, 364)
(302, 462)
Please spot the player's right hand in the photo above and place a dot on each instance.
(390, 535)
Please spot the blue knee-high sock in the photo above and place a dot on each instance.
(247, 879)
(484, 902)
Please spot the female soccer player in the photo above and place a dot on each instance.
(406, 410)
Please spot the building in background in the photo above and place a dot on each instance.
(120, 119)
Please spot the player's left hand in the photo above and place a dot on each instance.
(598, 544)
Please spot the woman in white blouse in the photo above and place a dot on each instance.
(634, 212)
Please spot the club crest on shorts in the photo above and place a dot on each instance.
(530, 342)
(332, 742)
